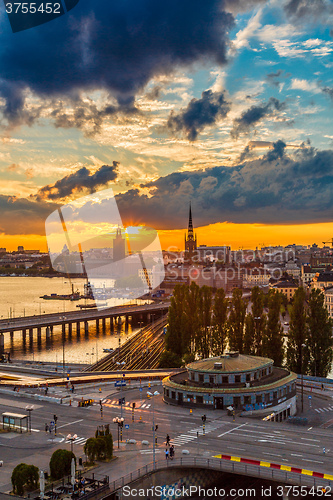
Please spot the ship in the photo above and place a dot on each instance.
(71, 296)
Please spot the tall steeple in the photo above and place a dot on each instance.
(190, 240)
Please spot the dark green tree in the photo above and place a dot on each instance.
(193, 318)
(91, 449)
(203, 339)
(273, 344)
(297, 354)
(24, 476)
(174, 336)
(249, 335)
(319, 336)
(169, 359)
(236, 321)
(220, 316)
(60, 463)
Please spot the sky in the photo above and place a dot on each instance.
(224, 104)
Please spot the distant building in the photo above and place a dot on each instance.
(20, 248)
(329, 300)
(249, 383)
(323, 280)
(307, 274)
(190, 240)
(221, 253)
(288, 288)
(118, 246)
(3, 250)
(256, 277)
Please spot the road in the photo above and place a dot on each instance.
(268, 441)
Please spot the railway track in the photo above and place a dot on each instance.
(139, 352)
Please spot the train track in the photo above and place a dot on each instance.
(142, 351)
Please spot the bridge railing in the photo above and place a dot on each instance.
(222, 465)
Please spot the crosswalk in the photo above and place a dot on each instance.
(128, 406)
(322, 410)
(78, 440)
(196, 432)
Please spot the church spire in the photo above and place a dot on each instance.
(190, 225)
(190, 240)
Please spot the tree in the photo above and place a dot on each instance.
(192, 317)
(273, 337)
(236, 321)
(24, 476)
(297, 356)
(203, 330)
(60, 463)
(319, 336)
(174, 341)
(220, 315)
(169, 359)
(91, 449)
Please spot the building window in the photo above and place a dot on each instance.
(275, 395)
(247, 400)
(237, 379)
(258, 398)
(225, 380)
(189, 396)
(199, 399)
(201, 378)
(255, 375)
(211, 380)
(167, 393)
(248, 377)
(173, 395)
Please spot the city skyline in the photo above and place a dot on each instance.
(229, 108)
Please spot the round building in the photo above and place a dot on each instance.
(248, 383)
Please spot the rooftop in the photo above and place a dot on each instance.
(232, 362)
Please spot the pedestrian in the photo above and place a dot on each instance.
(172, 451)
(166, 453)
(46, 428)
(168, 440)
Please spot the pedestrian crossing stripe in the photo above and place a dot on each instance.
(322, 410)
(194, 433)
(115, 402)
(78, 440)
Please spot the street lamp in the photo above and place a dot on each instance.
(152, 395)
(302, 386)
(121, 365)
(63, 346)
(71, 439)
(29, 409)
(120, 423)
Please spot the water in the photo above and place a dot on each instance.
(20, 296)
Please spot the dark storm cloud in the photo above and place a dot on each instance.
(278, 188)
(309, 10)
(198, 114)
(328, 91)
(115, 46)
(23, 216)
(81, 180)
(271, 78)
(246, 122)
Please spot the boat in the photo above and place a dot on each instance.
(55, 296)
(110, 351)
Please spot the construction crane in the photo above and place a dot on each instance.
(330, 241)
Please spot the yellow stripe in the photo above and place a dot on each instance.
(217, 456)
(235, 459)
(328, 476)
(286, 467)
(265, 464)
(307, 472)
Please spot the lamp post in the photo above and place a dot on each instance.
(29, 409)
(63, 347)
(302, 385)
(152, 395)
(120, 423)
(71, 438)
(121, 365)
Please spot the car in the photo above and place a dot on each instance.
(286, 324)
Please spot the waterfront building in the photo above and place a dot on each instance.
(238, 381)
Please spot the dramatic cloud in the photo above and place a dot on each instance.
(81, 180)
(309, 10)
(199, 114)
(254, 115)
(23, 216)
(115, 46)
(275, 189)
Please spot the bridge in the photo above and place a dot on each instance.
(113, 315)
(278, 473)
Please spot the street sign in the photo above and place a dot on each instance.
(120, 383)
(310, 397)
(126, 426)
(140, 389)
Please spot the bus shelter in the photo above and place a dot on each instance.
(15, 422)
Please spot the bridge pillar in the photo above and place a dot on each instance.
(24, 333)
(70, 329)
(126, 324)
(78, 328)
(31, 335)
(39, 334)
(48, 332)
(103, 325)
(11, 335)
(2, 344)
(86, 327)
(97, 324)
(111, 324)
(119, 320)
(63, 327)
(148, 317)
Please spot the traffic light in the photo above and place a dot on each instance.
(121, 401)
(204, 418)
(156, 427)
(80, 461)
(55, 418)
(100, 402)
(133, 405)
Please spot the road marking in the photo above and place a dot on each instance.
(309, 429)
(307, 460)
(272, 453)
(231, 430)
(234, 448)
(148, 452)
(307, 439)
(69, 423)
(295, 455)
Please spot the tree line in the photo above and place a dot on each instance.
(203, 324)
